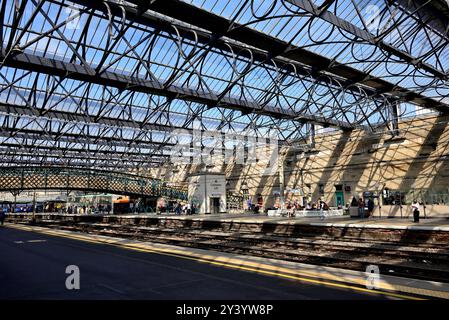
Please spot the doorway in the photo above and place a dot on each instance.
(214, 205)
(339, 198)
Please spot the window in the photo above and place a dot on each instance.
(321, 186)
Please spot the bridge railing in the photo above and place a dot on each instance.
(29, 178)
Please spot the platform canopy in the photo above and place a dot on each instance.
(103, 84)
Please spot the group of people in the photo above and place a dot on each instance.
(362, 205)
(89, 209)
(186, 209)
(370, 206)
(318, 205)
(322, 206)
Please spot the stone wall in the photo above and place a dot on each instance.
(415, 162)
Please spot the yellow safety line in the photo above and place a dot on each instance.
(281, 272)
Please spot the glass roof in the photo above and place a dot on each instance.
(114, 78)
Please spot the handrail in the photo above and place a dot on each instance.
(66, 178)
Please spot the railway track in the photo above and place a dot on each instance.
(422, 261)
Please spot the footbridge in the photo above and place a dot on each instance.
(18, 179)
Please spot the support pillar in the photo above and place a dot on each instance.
(67, 201)
(312, 135)
(281, 181)
(15, 193)
(33, 220)
(395, 119)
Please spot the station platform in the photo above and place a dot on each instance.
(437, 224)
(302, 275)
(427, 224)
(429, 230)
(396, 246)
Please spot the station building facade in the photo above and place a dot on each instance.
(392, 169)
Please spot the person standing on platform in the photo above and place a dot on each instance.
(189, 209)
(370, 207)
(178, 209)
(321, 206)
(2, 216)
(361, 208)
(415, 210)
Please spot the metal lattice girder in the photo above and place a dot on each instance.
(63, 151)
(433, 14)
(82, 118)
(26, 157)
(220, 26)
(32, 178)
(131, 73)
(341, 86)
(117, 105)
(74, 138)
(84, 73)
(260, 43)
(335, 114)
(104, 120)
(65, 142)
(44, 161)
(63, 136)
(72, 132)
(76, 154)
(94, 144)
(162, 116)
(310, 7)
